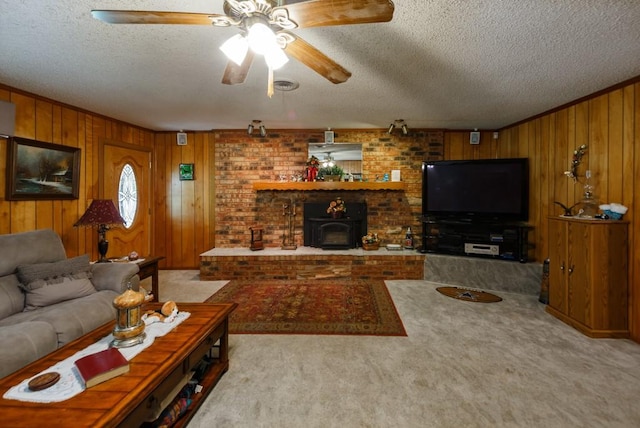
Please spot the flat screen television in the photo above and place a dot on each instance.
(476, 190)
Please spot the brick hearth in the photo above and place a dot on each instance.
(307, 262)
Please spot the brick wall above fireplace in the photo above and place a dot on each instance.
(242, 160)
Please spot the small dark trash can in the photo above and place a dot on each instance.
(544, 286)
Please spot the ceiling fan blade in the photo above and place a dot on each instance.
(235, 74)
(322, 13)
(317, 61)
(149, 17)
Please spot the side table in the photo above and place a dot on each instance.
(149, 268)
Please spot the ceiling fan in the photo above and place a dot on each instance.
(265, 29)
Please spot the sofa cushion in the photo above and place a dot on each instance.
(24, 343)
(11, 296)
(29, 273)
(38, 246)
(74, 318)
(48, 283)
(50, 293)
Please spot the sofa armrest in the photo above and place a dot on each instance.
(115, 276)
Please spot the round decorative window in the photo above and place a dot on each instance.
(128, 195)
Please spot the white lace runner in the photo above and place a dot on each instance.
(70, 383)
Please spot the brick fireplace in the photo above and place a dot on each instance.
(240, 161)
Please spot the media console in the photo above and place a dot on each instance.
(506, 241)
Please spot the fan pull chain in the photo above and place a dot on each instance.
(270, 83)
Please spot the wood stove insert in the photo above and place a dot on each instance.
(323, 231)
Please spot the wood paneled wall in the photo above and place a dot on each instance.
(184, 210)
(49, 121)
(609, 124)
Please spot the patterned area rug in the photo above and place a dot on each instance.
(469, 295)
(335, 306)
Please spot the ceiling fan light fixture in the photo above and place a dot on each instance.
(276, 58)
(263, 41)
(235, 48)
(261, 38)
(405, 130)
(391, 128)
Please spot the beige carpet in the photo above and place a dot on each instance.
(462, 365)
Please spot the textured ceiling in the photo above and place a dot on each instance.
(455, 64)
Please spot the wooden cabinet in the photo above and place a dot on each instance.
(588, 275)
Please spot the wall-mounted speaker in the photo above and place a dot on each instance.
(328, 137)
(7, 119)
(474, 138)
(182, 138)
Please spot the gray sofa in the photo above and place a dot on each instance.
(47, 300)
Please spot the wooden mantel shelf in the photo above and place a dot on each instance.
(329, 185)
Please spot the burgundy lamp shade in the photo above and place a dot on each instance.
(101, 213)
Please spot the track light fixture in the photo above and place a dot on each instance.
(399, 123)
(258, 123)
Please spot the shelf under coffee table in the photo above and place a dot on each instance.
(127, 400)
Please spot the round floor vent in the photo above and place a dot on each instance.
(286, 85)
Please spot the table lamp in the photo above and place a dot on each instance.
(103, 214)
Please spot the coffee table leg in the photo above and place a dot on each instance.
(224, 343)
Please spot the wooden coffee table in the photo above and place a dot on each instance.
(128, 399)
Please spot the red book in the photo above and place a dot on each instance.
(101, 366)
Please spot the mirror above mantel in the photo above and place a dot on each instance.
(348, 156)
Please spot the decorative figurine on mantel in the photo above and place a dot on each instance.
(312, 168)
